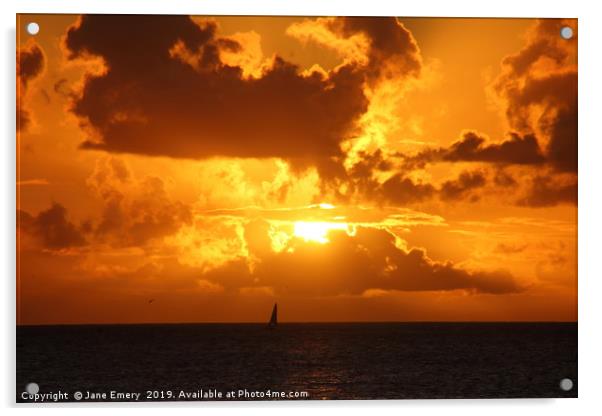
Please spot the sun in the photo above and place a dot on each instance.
(317, 231)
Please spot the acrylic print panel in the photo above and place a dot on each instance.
(291, 208)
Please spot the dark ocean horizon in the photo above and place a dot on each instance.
(354, 360)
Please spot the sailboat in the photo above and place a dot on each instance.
(274, 318)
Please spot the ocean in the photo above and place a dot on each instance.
(296, 361)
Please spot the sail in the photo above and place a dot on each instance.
(274, 318)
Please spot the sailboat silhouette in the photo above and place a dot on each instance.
(274, 318)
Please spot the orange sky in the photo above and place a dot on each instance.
(363, 169)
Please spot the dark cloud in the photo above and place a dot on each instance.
(134, 211)
(170, 94)
(370, 259)
(538, 91)
(504, 179)
(30, 63)
(557, 93)
(360, 181)
(51, 228)
(516, 150)
(544, 100)
(538, 88)
(166, 92)
(152, 102)
(402, 190)
(368, 163)
(544, 41)
(473, 147)
(544, 191)
(463, 186)
(382, 46)
(393, 50)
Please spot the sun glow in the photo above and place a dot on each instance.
(317, 231)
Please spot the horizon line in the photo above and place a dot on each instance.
(292, 322)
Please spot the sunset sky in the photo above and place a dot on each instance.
(350, 169)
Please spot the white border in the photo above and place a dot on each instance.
(590, 207)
